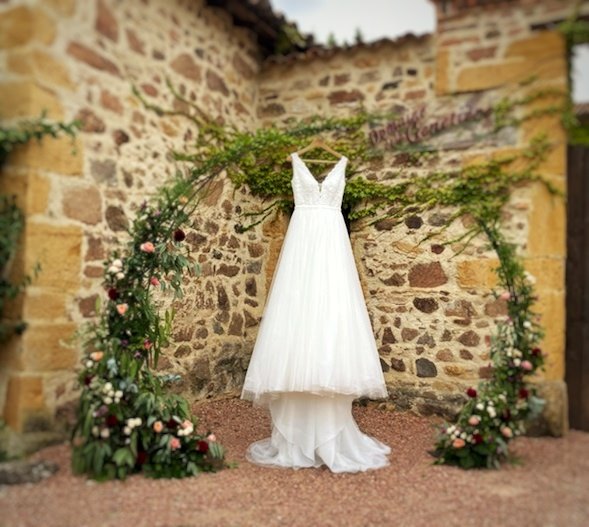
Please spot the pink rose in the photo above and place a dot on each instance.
(174, 443)
(147, 344)
(147, 247)
(474, 420)
(527, 365)
(154, 281)
(506, 431)
(211, 437)
(458, 442)
(158, 426)
(122, 308)
(506, 295)
(186, 423)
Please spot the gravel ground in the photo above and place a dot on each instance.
(549, 488)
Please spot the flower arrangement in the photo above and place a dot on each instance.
(126, 421)
(496, 412)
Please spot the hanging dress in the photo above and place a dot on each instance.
(315, 351)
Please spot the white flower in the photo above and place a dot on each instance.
(95, 431)
(118, 394)
(517, 353)
(89, 364)
(112, 269)
(517, 362)
(463, 435)
(451, 429)
(491, 411)
(127, 431)
(111, 393)
(104, 433)
(527, 324)
(118, 263)
(502, 397)
(120, 276)
(181, 432)
(107, 387)
(480, 406)
(107, 400)
(508, 353)
(530, 277)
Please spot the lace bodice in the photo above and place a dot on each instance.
(309, 192)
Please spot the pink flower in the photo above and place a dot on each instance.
(211, 437)
(147, 247)
(122, 308)
(96, 355)
(158, 426)
(147, 344)
(474, 420)
(458, 443)
(527, 365)
(154, 281)
(506, 431)
(506, 295)
(186, 423)
(174, 443)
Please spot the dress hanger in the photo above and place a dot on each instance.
(317, 143)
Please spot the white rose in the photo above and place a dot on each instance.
(118, 394)
(517, 362)
(107, 400)
(517, 353)
(120, 276)
(89, 364)
(127, 431)
(104, 433)
(95, 431)
(480, 406)
(527, 324)
(107, 387)
(491, 411)
(118, 263)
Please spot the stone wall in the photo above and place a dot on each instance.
(80, 60)
(431, 308)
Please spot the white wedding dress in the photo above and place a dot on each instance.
(315, 350)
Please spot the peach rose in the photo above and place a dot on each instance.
(96, 355)
(122, 308)
(474, 420)
(158, 426)
(147, 247)
(174, 443)
(507, 432)
(458, 443)
(211, 437)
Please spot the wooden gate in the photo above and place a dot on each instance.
(577, 287)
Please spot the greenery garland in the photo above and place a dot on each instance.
(126, 421)
(11, 216)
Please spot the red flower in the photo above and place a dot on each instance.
(523, 393)
(202, 446)
(179, 235)
(536, 352)
(111, 420)
(172, 423)
(471, 392)
(477, 438)
(141, 457)
(113, 294)
(88, 379)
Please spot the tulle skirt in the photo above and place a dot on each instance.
(315, 351)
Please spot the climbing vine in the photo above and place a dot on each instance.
(11, 216)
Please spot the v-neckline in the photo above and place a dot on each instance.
(319, 184)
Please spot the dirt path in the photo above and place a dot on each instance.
(549, 489)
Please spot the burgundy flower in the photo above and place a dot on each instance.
(477, 438)
(113, 294)
(88, 379)
(172, 423)
(111, 420)
(179, 235)
(523, 393)
(141, 457)
(506, 414)
(536, 352)
(471, 392)
(124, 343)
(202, 446)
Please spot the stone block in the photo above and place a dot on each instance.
(58, 248)
(93, 59)
(26, 99)
(442, 74)
(540, 46)
(21, 25)
(62, 155)
(554, 419)
(47, 305)
(551, 308)
(45, 68)
(475, 274)
(39, 188)
(61, 7)
(547, 224)
(548, 272)
(44, 347)
(24, 394)
(83, 204)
